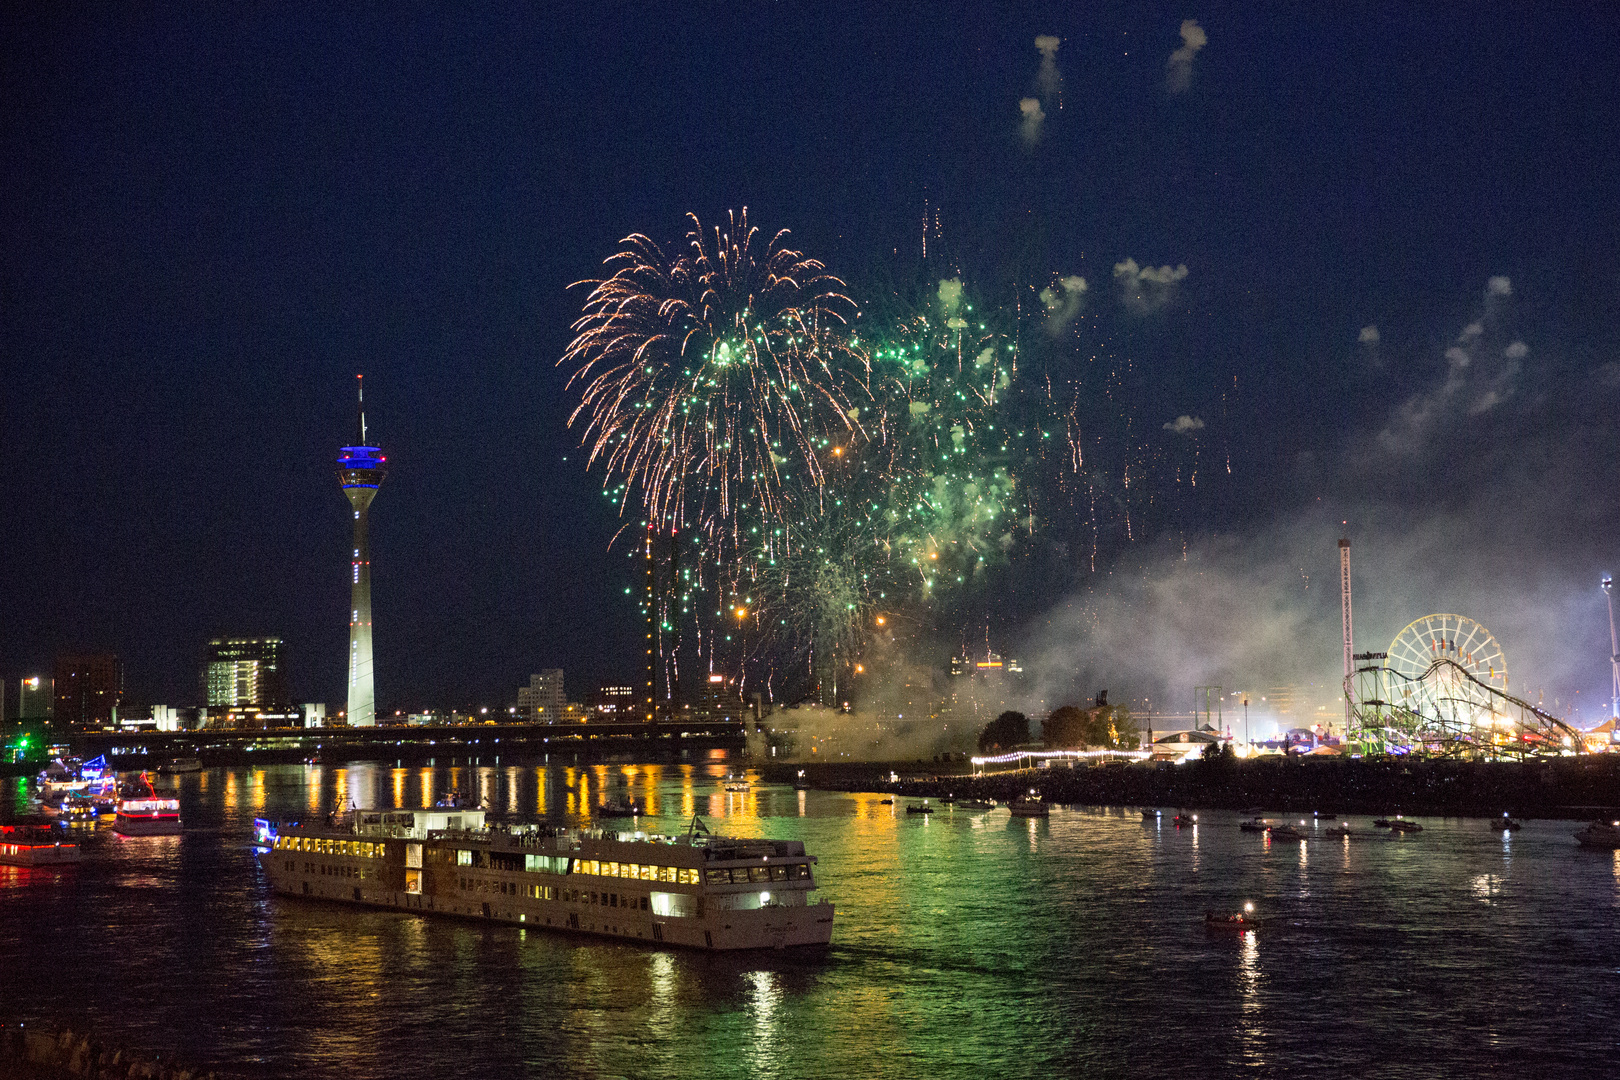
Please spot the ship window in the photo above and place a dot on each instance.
(801, 870)
(613, 900)
(688, 877)
(719, 877)
(779, 873)
(464, 857)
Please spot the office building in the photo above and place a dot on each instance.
(616, 701)
(36, 698)
(245, 671)
(361, 471)
(542, 700)
(88, 688)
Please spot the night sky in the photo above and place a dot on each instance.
(214, 216)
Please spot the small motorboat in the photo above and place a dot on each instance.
(1600, 834)
(800, 783)
(1285, 832)
(947, 800)
(1185, 818)
(79, 808)
(735, 783)
(976, 804)
(1319, 816)
(1340, 831)
(1382, 823)
(1508, 824)
(1238, 920)
(1253, 825)
(1150, 815)
(1401, 825)
(1030, 806)
(620, 807)
(919, 808)
(885, 802)
(180, 765)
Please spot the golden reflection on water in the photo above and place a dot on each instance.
(765, 1004)
(1250, 1033)
(398, 776)
(424, 777)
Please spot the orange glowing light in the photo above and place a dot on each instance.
(742, 613)
(838, 451)
(880, 620)
(860, 668)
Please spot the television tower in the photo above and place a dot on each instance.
(361, 471)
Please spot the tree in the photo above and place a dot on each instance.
(1004, 732)
(1064, 727)
(1123, 733)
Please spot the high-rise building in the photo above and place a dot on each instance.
(36, 698)
(616, 700)
(88, 689)
(360, 471)
(245, 671)
(542, 700)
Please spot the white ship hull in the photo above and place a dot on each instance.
(715, 894)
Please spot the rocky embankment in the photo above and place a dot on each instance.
(41, 1052)
(1574, 788)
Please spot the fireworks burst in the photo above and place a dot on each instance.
(712, 380)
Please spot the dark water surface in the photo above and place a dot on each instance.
(966, 945)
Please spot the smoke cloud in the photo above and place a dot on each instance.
(1466, 498)
(1184, 425)
(1048, 80)
(1179, 65)
(1063, 302)
(1369, 335)
(1144, 288)
(1033, 118)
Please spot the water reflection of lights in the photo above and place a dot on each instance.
(765, 1006)
(398, 776)
(802, 800)
(1250, 1033)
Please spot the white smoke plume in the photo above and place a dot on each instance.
(1030, 129)
(1063, 302)
(1499, 514)
(1179, 65)
(1184, 425)
(1478, 379)
(1145, 288)
(1369, 335)
(1048, 80)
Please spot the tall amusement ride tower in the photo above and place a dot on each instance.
(360, 471)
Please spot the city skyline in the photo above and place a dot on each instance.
(1413, 339)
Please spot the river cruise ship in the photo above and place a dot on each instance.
(694, 890)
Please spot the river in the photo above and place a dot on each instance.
(966, 945)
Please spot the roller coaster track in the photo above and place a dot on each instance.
(1447, 712)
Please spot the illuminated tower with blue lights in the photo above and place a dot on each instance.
(360, 471)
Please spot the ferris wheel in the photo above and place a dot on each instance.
(1443, 668)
